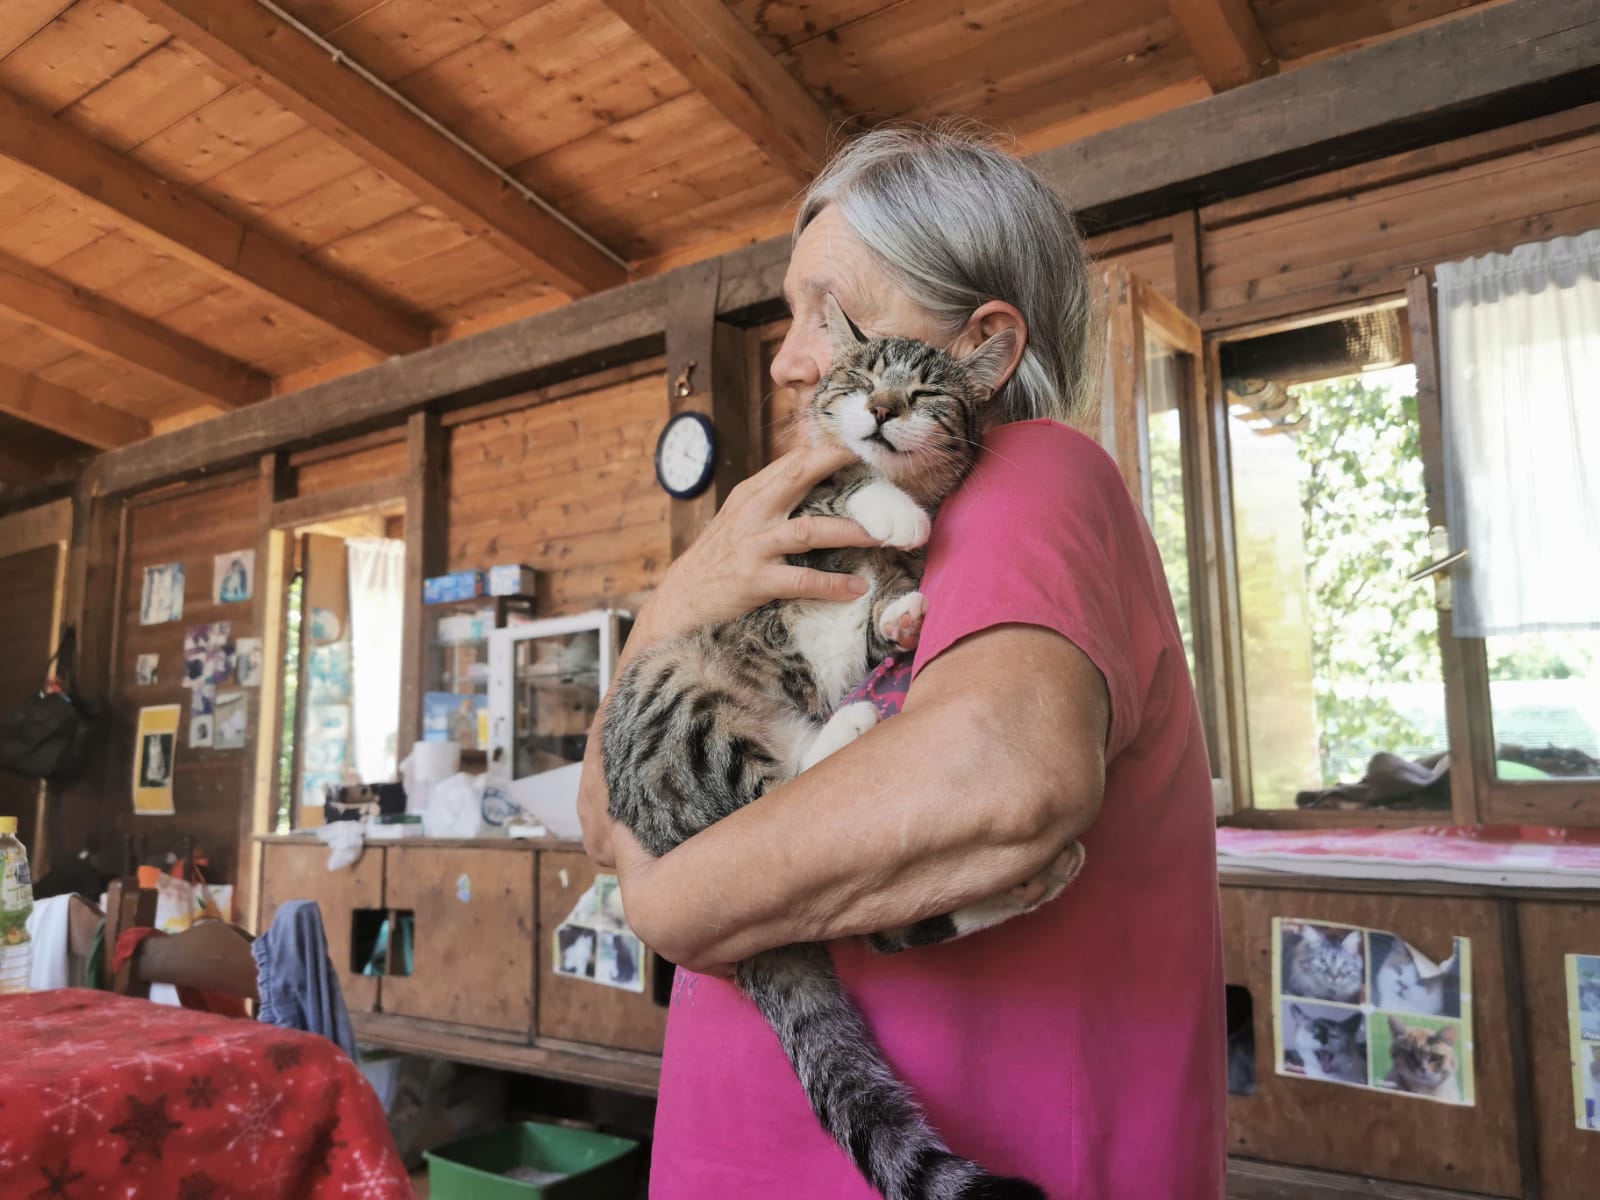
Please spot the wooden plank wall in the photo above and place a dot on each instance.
(346, 465)
(190, 526)
(27, 614)
(1364, 232)
(568, 488)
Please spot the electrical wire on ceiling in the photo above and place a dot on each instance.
(460, 143)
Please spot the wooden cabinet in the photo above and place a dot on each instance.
(1362, 1131)
(1569, 1157)
(574, 1009)
(299, 871)
(483, 915)
(473, 925)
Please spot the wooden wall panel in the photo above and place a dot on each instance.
(1370, 243)
(1153, 262)
(331, 471)
(27, 614)
(569, 489)
(191, 526)
(1569, 1157)
(1306, 1123)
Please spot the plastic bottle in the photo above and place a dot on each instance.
(16, 902)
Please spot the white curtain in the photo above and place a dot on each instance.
(1519, 348)
(377, 609)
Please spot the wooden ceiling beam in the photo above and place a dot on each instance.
(727, 64)
(1226, 41)
(61, 410)
(182, 224)
(96, 326)
(255, 45)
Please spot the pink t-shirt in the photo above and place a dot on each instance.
(1081, 1046)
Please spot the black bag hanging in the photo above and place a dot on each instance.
(48, 736)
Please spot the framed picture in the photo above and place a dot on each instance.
(233, 577)
(155, 748)
(162, 600)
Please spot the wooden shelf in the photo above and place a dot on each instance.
(596, 1066)
(493, 843)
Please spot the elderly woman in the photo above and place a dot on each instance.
(1080, 1046)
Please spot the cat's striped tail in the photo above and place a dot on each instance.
(852, 1089)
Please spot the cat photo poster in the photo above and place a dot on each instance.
(1368, 1008)
(1583, 1034)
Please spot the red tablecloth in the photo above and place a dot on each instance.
(103, 1096)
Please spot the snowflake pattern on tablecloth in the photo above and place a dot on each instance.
(56, 1182)
(75, 1104)
(202, 1093)
(317, 1162)
(199, 1186)
(372, 1180)
(256, 1121)
(146, 1128)
(283, 1055)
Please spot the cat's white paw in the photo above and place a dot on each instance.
(890, 516)
(844, 727)
(901, 622)
(1024, 898)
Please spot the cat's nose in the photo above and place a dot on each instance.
(880, 413)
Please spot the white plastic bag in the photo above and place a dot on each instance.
(455, 807)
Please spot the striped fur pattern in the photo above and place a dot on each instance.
(703, 724)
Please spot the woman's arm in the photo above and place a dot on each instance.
(972, 789)
(738, 564)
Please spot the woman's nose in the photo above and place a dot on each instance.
(794, 366)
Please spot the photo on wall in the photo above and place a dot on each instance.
(202, 716)
(233, 577)
(594, 942)
(247, 663)
(147, 669)
(162, 599)
(1583, 1036)
(207, 654)
(232, 721)
(155, 746)
(1368, 1008)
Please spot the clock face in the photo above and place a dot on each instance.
(686, 455)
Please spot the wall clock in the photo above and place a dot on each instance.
(686, 455)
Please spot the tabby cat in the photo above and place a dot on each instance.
(1424, 1060)
(1324, 966)
(703, 724)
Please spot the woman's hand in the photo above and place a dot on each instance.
(738, 563)
(734, 567)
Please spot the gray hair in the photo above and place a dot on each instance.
(958, 221)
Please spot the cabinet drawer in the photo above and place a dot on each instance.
(473, 914)
(301, 873)
(579, 1010)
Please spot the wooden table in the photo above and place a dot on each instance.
(104, 1095)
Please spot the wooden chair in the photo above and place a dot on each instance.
(212, 955)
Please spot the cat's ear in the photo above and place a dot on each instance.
(1398, 1027)
(1298, 1013)
(1447, 1035)
(1352, 942)
(987, 364)
(846, 333)
(1311, 936)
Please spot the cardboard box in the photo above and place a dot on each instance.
(458, 585)
(511, 579)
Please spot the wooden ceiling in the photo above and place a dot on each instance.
(204, 202)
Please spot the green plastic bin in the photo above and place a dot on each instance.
(594, 1166)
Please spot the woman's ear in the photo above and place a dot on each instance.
(982, 333)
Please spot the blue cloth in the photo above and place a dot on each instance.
(298, 987)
